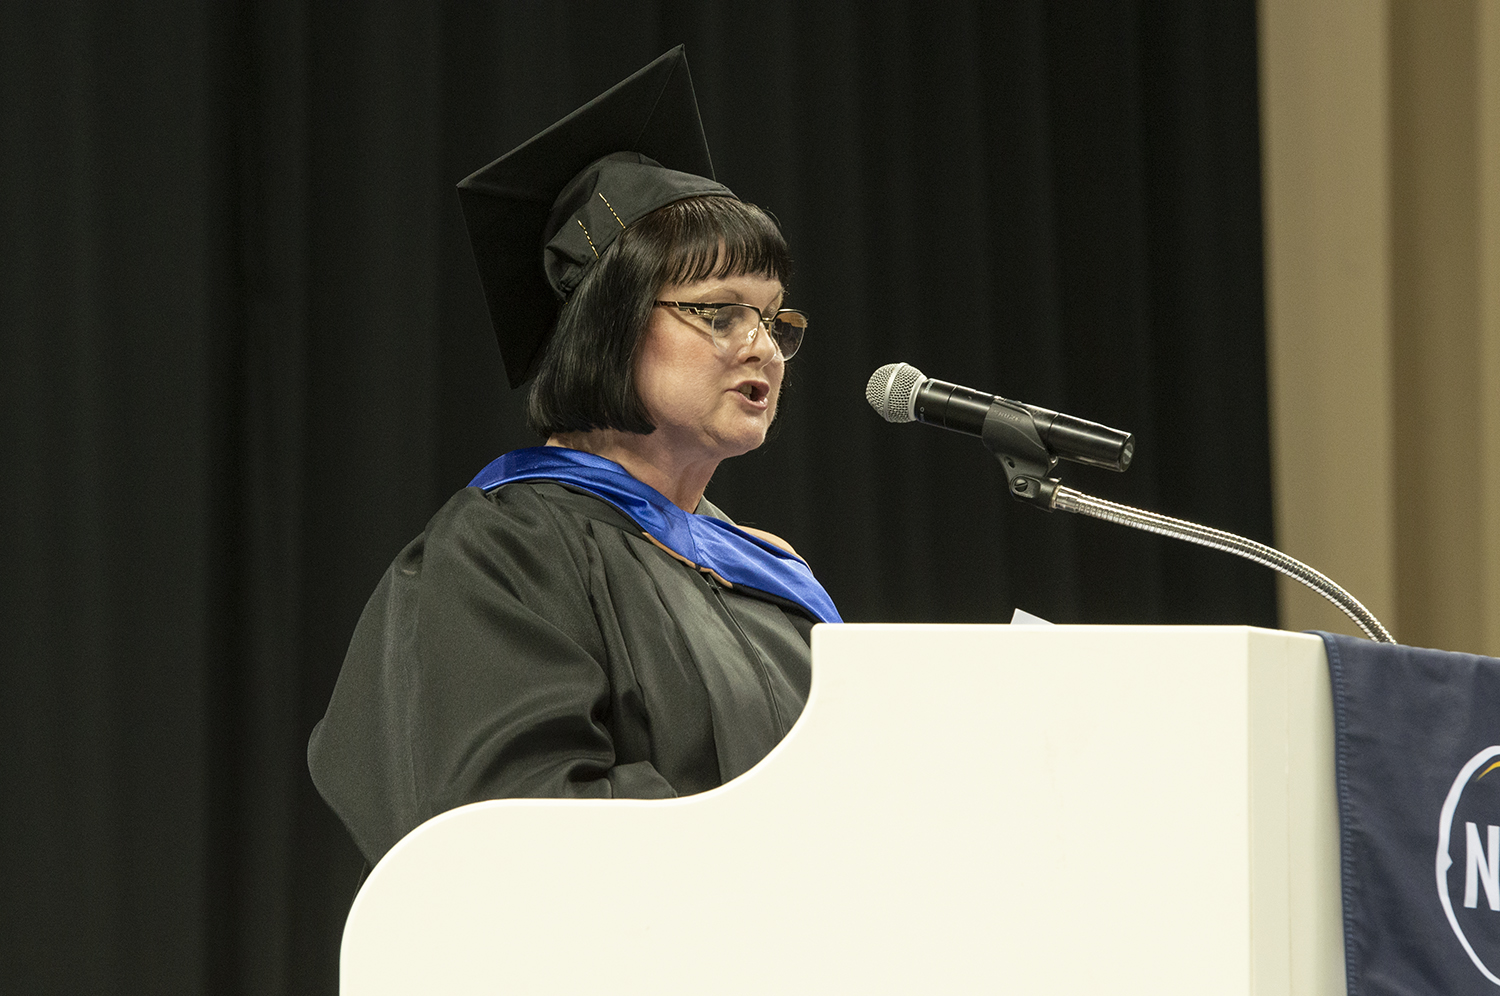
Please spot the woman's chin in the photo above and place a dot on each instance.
(751, 439)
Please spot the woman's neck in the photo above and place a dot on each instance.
(648, 460)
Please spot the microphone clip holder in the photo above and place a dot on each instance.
(1010, 434)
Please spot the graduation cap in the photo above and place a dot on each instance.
(540, 215)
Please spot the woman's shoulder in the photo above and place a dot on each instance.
(519, 539)
(708, 508)
(771, 538)
(523, 511)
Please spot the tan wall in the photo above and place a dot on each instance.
(1381, 139)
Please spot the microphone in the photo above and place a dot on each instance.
(899, 392)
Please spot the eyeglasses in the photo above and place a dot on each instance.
(726, 321)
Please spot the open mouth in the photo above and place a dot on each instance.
(755, 392)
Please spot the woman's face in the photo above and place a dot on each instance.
(710, 399)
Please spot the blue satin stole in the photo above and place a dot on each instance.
(705, 542)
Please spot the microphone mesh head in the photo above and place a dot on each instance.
(892, 391)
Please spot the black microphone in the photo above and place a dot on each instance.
(900, 392)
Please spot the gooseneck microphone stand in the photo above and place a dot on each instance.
(1075, 501)
(1028, 462)
(1014, 433)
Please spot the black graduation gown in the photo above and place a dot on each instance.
(534, 642)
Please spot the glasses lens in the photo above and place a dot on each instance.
(734, 320)
(788, 327)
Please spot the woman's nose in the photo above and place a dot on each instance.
(760, 342)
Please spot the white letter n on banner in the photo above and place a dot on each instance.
(1482, 866)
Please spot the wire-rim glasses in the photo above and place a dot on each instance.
(786, 327)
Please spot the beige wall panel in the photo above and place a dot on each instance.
(1488, 112)
(1325, 138)
(1381, 129)
(1434, 307)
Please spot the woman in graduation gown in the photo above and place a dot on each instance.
(580, 622)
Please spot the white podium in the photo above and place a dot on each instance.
(960, 809)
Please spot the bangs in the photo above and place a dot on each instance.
(718, 237)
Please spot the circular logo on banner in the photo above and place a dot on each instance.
(1468, 859)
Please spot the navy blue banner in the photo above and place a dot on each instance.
(1418, 758)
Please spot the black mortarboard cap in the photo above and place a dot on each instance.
(540, 215)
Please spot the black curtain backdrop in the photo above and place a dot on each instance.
(245, 357)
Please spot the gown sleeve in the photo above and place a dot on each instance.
(477, 671)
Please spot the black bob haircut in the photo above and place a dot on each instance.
(586, 377)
